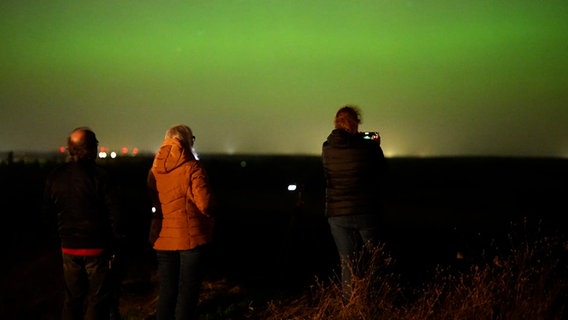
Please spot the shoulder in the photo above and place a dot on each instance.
(195, 170)
(58, 170)
(194, 166)
(98, 172)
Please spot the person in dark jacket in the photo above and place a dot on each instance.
(354, 169)
(79, 202)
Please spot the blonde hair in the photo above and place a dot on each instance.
(348, 118)
(182, 133)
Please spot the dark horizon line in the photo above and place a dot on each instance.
(51, 154)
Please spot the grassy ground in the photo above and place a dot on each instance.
(526, 280)
(449, 253)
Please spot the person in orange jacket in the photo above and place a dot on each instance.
(182, 225)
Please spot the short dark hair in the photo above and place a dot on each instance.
(83, 148)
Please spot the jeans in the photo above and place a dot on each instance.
(180, 274)
(351, 233)
(86, 280)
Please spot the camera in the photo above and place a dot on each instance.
(369, 135)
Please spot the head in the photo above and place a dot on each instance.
(82, 144)
(348, 118)
(182, 133)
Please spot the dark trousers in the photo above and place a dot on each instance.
(351, 233)
(180, 275)
(87, 287)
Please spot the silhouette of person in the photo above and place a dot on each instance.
(80, 202)
(183, 223)
(354, 168)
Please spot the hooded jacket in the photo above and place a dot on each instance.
(354, 169)
(180, 192)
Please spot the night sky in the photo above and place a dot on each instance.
(435, 78)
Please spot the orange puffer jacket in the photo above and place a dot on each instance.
(179, 189)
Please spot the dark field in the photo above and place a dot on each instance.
(272, 242)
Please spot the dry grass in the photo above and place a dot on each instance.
(529, 281)
(526, 280)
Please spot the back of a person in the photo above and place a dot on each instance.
(80, 201)
(182, 225)
(77, 188)
(173, 195)
(179, 186)
(353, 169)
(173, 187)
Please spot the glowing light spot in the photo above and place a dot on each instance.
(62, 149)
(135, 150)
(292, 187)
(102, 154)
(113, 154)
(124, 150)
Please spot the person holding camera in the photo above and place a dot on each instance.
(354, 169)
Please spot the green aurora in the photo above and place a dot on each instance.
(266, 77)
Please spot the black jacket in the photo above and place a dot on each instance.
(80, 200)
(354, 170)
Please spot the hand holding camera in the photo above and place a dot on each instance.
(372, 135)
